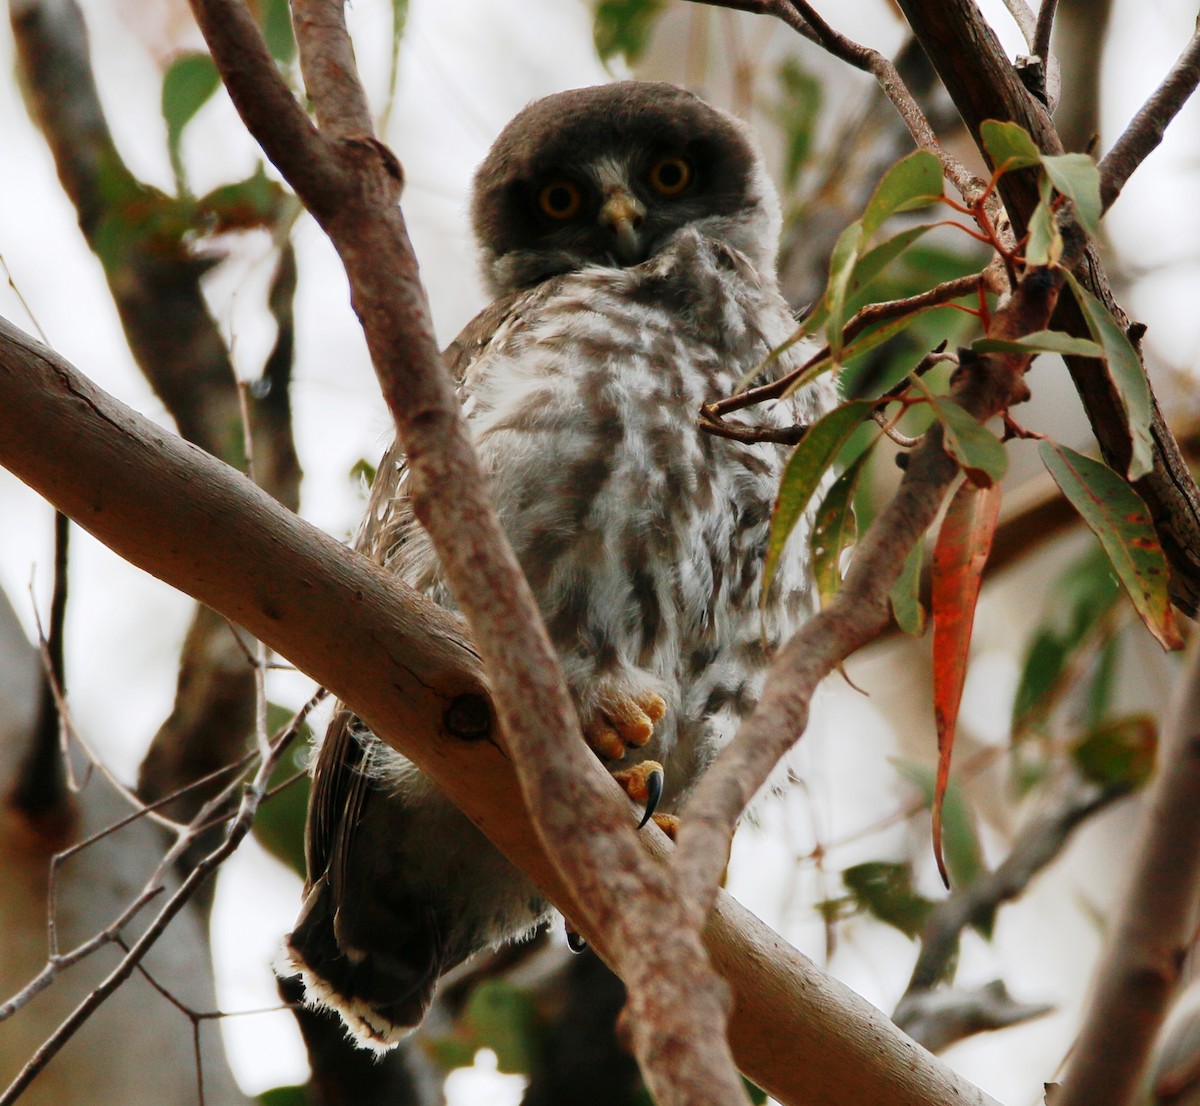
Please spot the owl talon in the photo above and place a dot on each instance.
(643, 783)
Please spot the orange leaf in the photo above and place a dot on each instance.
(963, 544)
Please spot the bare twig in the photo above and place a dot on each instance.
(1141, 965)
(252, 796)
(1034, 848)
(801, 17)
(865, 317)
(1042, 32)
(1146, 129)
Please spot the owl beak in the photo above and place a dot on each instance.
(622, 216)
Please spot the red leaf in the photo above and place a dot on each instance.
(963, 544)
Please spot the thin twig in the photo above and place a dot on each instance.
(1146, 129)
(1043, 30)
(252, 796)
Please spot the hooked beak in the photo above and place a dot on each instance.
(621, 215)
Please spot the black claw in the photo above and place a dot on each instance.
(654, 790)
(575, 942)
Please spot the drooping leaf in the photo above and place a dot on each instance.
(914, 181)
(1041, 341)
(1122, 751)
(964, 854)
(981, 454)
(961, 551)
(1077, 176)
(1076, 603)
(188, 83)
(1115, 513)
(841, 269)
(1009, 145)
(814, 454)
(834, 529)
(885, 891)
(1045, 244)
(905, 595)
(624, 26)
(1128, 377)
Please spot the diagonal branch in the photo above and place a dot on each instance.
(1147, 127)
(679, 1006)
(400, 662)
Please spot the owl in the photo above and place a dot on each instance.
(628, 235)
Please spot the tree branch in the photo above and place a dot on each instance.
(983, 84)
(1147, 127)
(190, 520)
(1141, 966)
(860, 611)
(679, 1006)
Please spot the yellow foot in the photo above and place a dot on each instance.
(621, 722)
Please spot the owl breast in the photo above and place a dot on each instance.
(641, 536)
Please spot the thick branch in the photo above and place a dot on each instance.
(400, 661)
(1142, 964)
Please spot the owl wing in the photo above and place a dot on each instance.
(341, 778)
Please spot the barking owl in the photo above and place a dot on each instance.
(628, 235)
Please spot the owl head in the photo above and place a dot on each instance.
(606, 175)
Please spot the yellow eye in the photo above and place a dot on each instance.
(670, 176)
(560, 199)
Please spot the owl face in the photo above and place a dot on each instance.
(606, 175)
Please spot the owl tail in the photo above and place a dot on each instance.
(380, 997)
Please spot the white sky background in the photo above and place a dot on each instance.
(467, 66)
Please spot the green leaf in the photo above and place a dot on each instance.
(841, 269)
(504, 1018)
(1045, 245)
(624, 26)
(885, 891)
(1009, 145)
(756, 1094)
(1128, 377)
(285, 1096)
(1122, 751)
(1076, 604)
(276, 19)
(816, 452)
(964, 856)
(363, 470)
(1117, 516)
(188, 83)
(1077, 176)
(1041, 341)
(981, 454)
(905, 595)
(914, 181)
(834, 529)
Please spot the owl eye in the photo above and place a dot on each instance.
(560, 199)
(670, 176)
